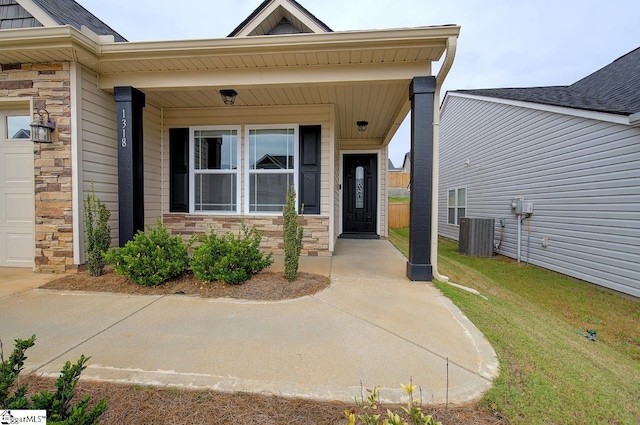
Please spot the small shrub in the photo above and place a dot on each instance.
(96, 218)
(228, 258)
(292, 236)
(151, 258)
(59, 406)
(367, 412)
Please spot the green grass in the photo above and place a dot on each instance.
(549, 374)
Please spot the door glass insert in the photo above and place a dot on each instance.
(360, 187)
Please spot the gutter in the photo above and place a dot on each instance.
(452, 43)
(634, 120)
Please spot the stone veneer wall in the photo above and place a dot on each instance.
(49, 86)
(315, 240)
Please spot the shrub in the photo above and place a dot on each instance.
(96, 218)
(228, 258)
(411, 414)
(292, 236)
(58, 405)
(151, 258)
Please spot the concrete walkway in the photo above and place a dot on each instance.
(372, 326)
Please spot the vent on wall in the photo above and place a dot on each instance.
(476, 237)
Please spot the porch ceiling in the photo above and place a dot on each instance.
(365, 74)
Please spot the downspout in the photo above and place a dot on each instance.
(452, 43)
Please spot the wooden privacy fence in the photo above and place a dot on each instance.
(398, 179)
(398, 215)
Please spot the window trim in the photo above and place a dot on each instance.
(193, 171)
(456, 205)
(247, 173)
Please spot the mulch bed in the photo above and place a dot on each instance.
(150, 405)
(265, 286)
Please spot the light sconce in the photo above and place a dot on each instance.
(42, 128)
(362, 126)
(228, 96)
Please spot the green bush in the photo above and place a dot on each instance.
(151, 258)
(59, 407)
(292, 236)
(96, 218)
(228, 258)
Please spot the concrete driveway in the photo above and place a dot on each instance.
(372, 326)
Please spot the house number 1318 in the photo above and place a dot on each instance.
(124, 134)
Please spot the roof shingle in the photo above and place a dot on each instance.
(613, 89)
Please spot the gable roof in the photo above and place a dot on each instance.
(613, 89)
(12, 16)
(38, 13)
(275, 13)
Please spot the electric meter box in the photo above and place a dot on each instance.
(527, 208)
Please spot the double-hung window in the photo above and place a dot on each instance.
(272, 157)
(456, 205)
(215, 186)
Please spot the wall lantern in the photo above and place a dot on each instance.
(41, 129)
(228, 96)
(362, 126)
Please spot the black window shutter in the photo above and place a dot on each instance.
(179, 170)
(309, 180)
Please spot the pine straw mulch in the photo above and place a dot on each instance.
(133, 405)
(156, 405)
(264, 286)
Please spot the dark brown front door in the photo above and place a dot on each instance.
(359, 191)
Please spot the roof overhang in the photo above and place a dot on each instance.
(365, 74)
(49, 44)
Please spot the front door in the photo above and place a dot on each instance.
(359, 194)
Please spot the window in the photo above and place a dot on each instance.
(456, 205)
(214, 160)
(272, 159)
(18, 127)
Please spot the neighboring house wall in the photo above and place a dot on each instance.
(49, 86)
(583, 176)
(316, 232)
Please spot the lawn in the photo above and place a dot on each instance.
(534, 318)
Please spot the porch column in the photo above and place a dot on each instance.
(129, 104)
(421, 94)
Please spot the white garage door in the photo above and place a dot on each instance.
(17, 245)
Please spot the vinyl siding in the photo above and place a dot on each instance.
(152, 133)
(301, 115)
(583, 176)
(99, 154)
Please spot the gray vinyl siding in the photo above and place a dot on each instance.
(583, 176)
(98, 139)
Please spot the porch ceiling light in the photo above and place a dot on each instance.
(42, 128)
(362, 126)
(228, 96)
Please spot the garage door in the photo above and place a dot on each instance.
(17, 245)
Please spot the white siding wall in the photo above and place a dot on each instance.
(583, 176)
(302, 115)
(97, 139)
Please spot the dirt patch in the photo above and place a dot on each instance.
(266, 286)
